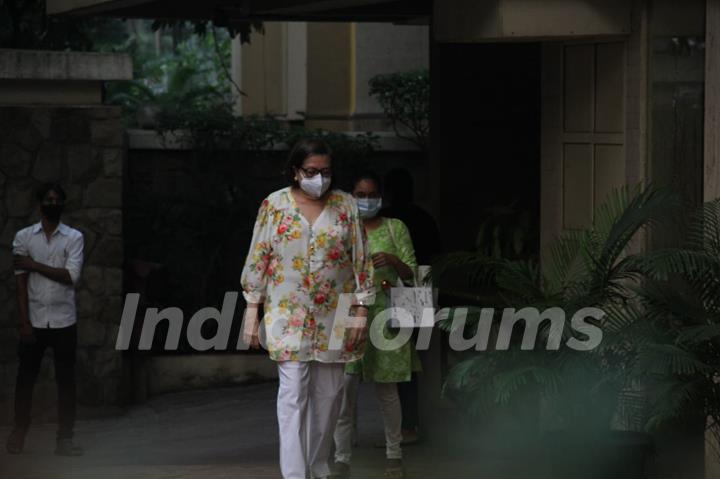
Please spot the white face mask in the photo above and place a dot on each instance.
(369, 207)
(315, 186)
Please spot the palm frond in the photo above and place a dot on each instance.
(508, 383)
(520, 282)
(704, 229)
(675, 399)
(669, 360)
(665, 263)
(621, 217)
(477, 267)
(694, 335)
(565, 261)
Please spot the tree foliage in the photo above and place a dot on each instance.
(24, 24)
(405, 99)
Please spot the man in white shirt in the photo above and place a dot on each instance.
(48, 258)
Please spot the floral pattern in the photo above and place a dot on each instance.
(299, 270)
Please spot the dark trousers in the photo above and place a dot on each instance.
(63, 342)
(408, 392)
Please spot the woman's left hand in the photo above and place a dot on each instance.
(384, 259)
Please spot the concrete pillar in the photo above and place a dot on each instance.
(297, 73)
(711, 174)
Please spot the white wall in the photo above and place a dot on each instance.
(386, 48)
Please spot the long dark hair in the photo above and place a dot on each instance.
(301, 151)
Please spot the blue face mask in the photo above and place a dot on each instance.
(369, 207)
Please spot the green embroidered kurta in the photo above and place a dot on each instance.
(397, 365)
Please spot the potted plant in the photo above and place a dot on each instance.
(677, 319)
(578, 394)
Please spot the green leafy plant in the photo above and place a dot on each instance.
(202, 27)
(505, 233)
(587, 268)
(213, 39)
(678, 313)
(405, 99)
(24, 24)
(184, 71)
(182, 92)
(215, 127)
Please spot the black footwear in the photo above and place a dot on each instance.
(394, 469)
(65, 447)
(16, 442)
(410, 437)
(339, 470)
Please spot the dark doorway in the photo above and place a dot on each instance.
(486, 122)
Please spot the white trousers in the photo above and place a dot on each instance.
(309, 398)
(390, 408)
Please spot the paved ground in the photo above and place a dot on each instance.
(225, 433)
(232, 433)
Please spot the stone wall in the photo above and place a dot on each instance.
(83, 148)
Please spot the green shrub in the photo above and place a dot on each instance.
(405, 99)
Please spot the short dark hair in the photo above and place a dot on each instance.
(367, 175)
(46, 188)
(302, 150)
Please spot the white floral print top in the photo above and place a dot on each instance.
(299, 270)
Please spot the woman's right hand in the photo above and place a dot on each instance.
(251, 326)
(384, 259)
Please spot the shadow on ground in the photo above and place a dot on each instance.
(226, 433)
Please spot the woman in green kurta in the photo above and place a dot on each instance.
(389, 242)
(393, 257)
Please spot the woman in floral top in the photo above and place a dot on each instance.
(308, 248)
(393, 257)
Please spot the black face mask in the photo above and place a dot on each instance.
(52, 212)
